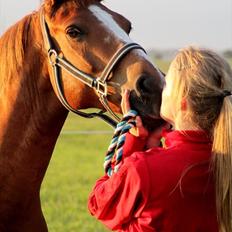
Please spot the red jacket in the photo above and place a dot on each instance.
(162, 189)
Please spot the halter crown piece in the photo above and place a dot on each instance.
(99, 84)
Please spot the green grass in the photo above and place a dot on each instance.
(162, 64)
(75, 165)
(230, 61)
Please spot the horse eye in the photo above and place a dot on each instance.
(74, 32)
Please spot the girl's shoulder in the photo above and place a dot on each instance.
(141, 161)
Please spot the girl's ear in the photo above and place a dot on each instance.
(184, 105)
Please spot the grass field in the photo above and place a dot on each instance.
(76, 164)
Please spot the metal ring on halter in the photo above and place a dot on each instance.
(101, 87)
(52, 55)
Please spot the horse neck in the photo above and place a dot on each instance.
(31, 116)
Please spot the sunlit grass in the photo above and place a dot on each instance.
(162, 64)
(75, 165)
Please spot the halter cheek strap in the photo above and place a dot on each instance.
(99, 84)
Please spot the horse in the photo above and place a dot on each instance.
(67, 55)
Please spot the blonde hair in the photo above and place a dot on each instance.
(204, 79)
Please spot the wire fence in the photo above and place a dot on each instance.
(86, 132)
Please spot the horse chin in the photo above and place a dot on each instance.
(150, 123)
(149, 114)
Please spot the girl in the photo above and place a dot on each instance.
(186, 186)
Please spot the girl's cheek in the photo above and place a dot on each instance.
(168, 88)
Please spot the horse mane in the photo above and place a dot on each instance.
(12, 47)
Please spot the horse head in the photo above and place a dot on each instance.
(87, 34)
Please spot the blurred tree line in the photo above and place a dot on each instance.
(227, 54)
(162, 58)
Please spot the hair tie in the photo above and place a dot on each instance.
(226, 93)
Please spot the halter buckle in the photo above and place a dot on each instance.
(52, 55)
(101, 87)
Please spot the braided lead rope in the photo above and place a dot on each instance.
(113, 158)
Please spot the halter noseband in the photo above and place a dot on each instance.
(99, 84)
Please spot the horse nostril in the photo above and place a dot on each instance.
(146, 84)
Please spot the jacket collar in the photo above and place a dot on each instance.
(175, 137)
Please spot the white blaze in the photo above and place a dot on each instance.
(114, 29)
(108, 21)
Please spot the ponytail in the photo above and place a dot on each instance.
(205, 80)
(222, 165)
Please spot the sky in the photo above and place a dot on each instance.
(157, 24)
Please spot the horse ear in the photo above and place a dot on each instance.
(51, 5)
(53, 2)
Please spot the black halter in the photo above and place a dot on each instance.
(99, 84)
